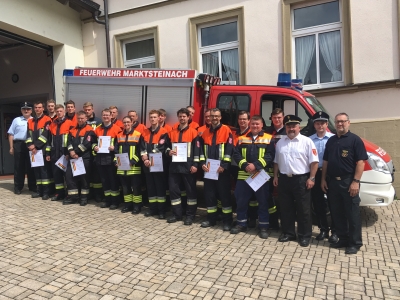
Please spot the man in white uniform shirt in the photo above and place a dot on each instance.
(296, 160)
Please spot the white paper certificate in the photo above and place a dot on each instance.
(77, 166)
(156, 162)
(181, 152)
(62, 163)
(257, 180)
(123, 162)
(212, 165)
(104, 143)
(37, 159)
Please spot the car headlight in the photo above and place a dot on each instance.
(377, 163)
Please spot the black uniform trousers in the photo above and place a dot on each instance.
(82, 182)
(109, 180)
(345, 211)
(253, 203)
(156, 191)
(320, 204)
(58, 175)
(273, 206)
(177, 182)
(42, 178)
(295, 204)
(132, 190)
(22, 166)
(221, 188)
(95, 182)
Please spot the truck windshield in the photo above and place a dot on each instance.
(319, 107)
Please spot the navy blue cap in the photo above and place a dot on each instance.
(291, 119)
(26, 105)
(320, 116)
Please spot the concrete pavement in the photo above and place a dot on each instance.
(51, 251)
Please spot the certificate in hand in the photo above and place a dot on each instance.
(123, 162)
(62, 163)
(156, 162)
(37, 159)
(77, 166)
(181, 152)
(212, 165)
(257, 180)
(104, 143)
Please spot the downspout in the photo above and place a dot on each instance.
(106, 24)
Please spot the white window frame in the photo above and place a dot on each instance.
(337, 26)
(139, 61)
(218, 47)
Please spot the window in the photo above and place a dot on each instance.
(267, 106)
(318, 47)
(219, 50)
(230, 105)
(137, 49)
(139, 53)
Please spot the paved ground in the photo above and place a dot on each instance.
(51, 251)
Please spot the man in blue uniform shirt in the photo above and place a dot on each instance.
(16, 137)
(320, 138)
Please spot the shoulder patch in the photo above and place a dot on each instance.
(230, 140)
(88, 138)
(314, 151)
(198, 144)
(162, 141)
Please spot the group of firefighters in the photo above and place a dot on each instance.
(244, 152)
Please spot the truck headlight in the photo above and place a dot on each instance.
(377, 163)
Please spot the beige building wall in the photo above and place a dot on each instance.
(51, 23)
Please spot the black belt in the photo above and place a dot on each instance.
(19, 141)
(342, 177)
(293, 175)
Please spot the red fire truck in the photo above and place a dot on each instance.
(143, 90)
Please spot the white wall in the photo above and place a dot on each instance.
(51, 23)
(366, 105)
(375, 40)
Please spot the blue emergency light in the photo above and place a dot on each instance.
(68, 72)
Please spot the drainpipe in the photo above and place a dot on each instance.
(106, 24)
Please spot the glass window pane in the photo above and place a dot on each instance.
(149, 65)
(134, 67)
(306, 59)
(211, 63)
(219, 34)
(330, 57)
(230, 105)
(230, 65)
(316, 15)
(139, 49)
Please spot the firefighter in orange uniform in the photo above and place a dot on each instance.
(135, 121)
(71, 115)
(80, 140)
(59, 129)
(192, 124)
(163, 117)
(217, 143)
(114, 117)
(183, 174)
(207, 122)
(105, 161)
(155, 139)
(38, 139)
(129, 142)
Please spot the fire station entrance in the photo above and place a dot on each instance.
(26, 74)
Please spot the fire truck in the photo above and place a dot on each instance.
(143, 90)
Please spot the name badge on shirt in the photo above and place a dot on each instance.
(345, 153)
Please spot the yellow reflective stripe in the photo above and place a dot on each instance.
(48, 148)
(83, 148)
(212, 209)
(227, 210)
(189, 149)
(128, 198)
(120, 149)
(242, 175)
(43, 139)
(272, 210)
(244, 152)
(28, 140)
(112, 142)
(65, 140)
(221, 151)
(205, 151)
(253, 203)
(97, 185)
(137, 199)
(241, 163)
(130, 152)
